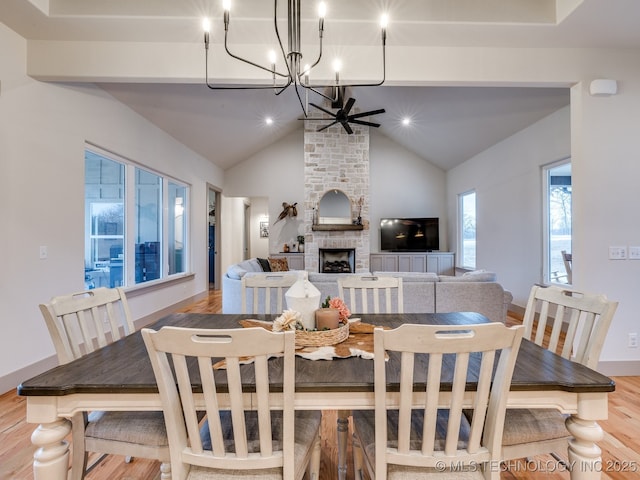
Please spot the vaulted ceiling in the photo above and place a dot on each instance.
(115, 44)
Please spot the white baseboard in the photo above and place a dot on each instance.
(620, 368)
(13, 379)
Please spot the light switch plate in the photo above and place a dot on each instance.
(634, 253)
(617, 253)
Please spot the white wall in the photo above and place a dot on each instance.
(43, 130)
(507, 179)
(605, 142)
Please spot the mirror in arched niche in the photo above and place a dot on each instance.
(334, 208)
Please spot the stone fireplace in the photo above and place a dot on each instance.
(334, 160)
(337, 260)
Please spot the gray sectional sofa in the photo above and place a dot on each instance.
(423, 292)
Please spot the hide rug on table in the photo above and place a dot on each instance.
(358, 344)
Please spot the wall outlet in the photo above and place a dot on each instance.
(633, 340)
(44, 252)
(634, 253)
(617, 253)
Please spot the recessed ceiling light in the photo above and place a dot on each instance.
(268, 121)
(406, 121)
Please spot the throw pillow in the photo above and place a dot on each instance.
(264, 263)
(279, 264)
(235, 272)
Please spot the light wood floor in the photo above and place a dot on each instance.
(621, 443)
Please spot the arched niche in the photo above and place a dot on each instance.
(334, 212)
(334, 208)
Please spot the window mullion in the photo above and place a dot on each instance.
(130, 222)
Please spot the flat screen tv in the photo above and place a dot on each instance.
(409, 234)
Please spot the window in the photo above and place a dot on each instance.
(177, 231)
(557, 228)
(467, 229)
(156, 245)
(148, 225)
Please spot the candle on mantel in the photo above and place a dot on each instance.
(327, 318)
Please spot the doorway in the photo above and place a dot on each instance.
(213, 237)
(558, 222)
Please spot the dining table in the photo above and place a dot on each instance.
(119, 377)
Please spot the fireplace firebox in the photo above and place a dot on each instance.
(337, 260)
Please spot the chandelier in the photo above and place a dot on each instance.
(295, 74)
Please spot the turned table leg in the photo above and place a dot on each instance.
(343, 434)
(51, 460)
(585, 457)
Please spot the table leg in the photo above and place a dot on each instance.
(585, 457)
(343, 434)
(51, 460)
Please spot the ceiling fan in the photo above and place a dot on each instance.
(343, 117)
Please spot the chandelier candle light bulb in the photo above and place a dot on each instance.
(293, 75)
(206, 26)
(337, 66)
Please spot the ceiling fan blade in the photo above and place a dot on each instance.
(347, 128)
(327, 126)
(366, 114)
(322, 109)
(347, 108)
(362, 122)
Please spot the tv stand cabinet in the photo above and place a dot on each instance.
(442, 263)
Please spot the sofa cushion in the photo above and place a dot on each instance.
(487, 298)
(331, 277)
(278, 264)
(474, 276)
(418, 290)
(238, 270)
(264, 263)
(409, 277)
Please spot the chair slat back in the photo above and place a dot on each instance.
(198, 348)
(578, 322)
(82, 322)
(370, 290)
(267, 287)
(461, 345)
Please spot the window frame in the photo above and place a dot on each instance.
(461, 229)
(130, 230)
(546, 220)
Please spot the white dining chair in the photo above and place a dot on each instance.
(424, 434)
(365, 293)
(81, 323)
(567, 260)
(574, 325)
(263, 292)
(242, 438)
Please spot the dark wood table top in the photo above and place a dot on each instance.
(124, 366)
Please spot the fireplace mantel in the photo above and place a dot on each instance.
(335, 227)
